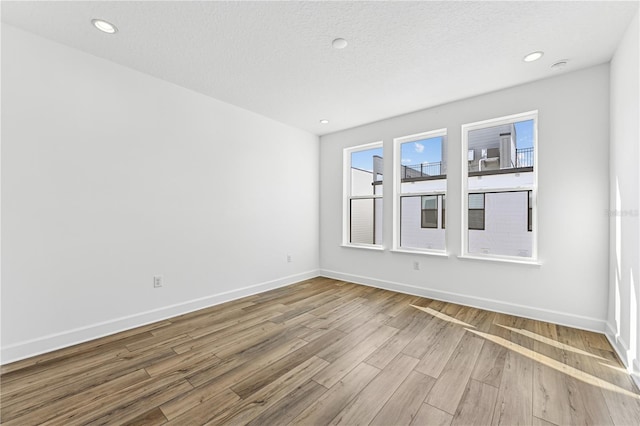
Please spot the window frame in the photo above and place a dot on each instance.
(443, 207)
(465, 129)
(397, 194)
(347, 197)
(530, 211)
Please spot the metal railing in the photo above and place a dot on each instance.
(421, 170)
(524, 157)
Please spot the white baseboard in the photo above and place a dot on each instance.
(561, 318)
(33, 347)
(626, 356)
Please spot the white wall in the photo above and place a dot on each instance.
(623, 325)
(570, 287)
(110, 176)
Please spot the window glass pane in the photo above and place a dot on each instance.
(423, 175)
(476, 219)
(430, 202)
(423, 165)
(363, 221)
(412, 218)
(508, 146)
(430, 211)
(476, 201)
(366, 172)
(377, 218)
(363, 203)
(501, 227)
(500, 163)
(429, 218)
(524, 143)
(423, 157)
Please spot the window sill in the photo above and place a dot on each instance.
(363, 246)
(502, 260)
(421, 252)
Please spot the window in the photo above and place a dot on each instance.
(420, 185)
(476, 211)
(500, 187)
(363, 195)
(429, 211)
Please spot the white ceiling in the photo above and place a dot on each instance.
(276, 59)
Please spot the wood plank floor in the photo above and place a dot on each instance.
(328, 352)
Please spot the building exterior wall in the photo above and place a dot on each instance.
(436, 185)
(366, 214)
(505, 232)
(506, 180)
(378, 221)
(412, 234)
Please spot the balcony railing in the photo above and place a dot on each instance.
(421, 170)
(524, 157)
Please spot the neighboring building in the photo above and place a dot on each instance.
(499, 215)
(366, 214)
(422, 218)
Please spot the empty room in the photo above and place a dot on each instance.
(314, 212)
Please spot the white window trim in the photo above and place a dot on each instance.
(396, 193)
(503, 259)
(346, 196)
(533, 260)
(363, 246)
(427, 252)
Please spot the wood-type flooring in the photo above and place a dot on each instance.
(326, 352)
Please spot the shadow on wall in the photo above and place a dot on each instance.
(625, 291)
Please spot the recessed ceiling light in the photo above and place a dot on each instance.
(339, 43)
(559, 65)
(533, 56)
(104, 26)
(324, 121)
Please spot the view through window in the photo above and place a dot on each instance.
(501, 186)
(365, 194)
(422, 165)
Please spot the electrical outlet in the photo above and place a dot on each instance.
(288, 258)
(157, 281)
(416, 266)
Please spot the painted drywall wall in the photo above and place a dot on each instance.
(110, 177)
(623, 327)
(570, 285)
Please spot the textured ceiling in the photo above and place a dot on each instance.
(276, 59)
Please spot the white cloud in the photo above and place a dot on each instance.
(406, 160)
(419, 147)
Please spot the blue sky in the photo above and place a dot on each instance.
(422, 151)
(429, 150)
(364, 159)
(524, 134)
